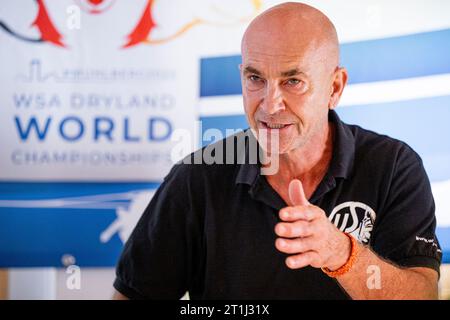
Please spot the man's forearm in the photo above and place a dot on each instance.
(374, 278)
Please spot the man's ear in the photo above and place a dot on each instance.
(339, 82)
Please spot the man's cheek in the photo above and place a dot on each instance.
(250, 111)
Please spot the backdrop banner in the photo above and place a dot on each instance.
(92, 92)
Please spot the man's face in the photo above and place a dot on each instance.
(286, 88)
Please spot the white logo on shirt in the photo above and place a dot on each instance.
(428, 241)
(355, 218)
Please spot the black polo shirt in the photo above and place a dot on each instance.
(209, 229)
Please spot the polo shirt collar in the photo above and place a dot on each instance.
(343, 149)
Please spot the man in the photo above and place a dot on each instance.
(227, 231)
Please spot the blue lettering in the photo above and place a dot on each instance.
(152, 128)
(32, 125)
(54, 101)
(126, 134)
(105, 131)
(76, 101)
(77, 135)
(37, 101)
(22, 100)
(72, 128)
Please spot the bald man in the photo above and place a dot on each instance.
(348, 214)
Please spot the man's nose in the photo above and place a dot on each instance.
(273, 100)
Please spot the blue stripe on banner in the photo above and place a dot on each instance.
(220, 76)
(223, 123)
(33, 237)
(414, 55)
(11, 190)
(443, 235)
(40, 237)
(422, 123)
(65, 218)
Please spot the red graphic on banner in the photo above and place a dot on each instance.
(95, 6)
(46, 28)
(139, 35)
(143, 28)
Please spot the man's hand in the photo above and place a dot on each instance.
(308, 236)
(311, 239)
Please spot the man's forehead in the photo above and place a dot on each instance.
(275, 44)
(281, 62)
(289, 32)
(304, 56)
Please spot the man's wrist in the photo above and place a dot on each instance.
(343, 253)
(350, 260)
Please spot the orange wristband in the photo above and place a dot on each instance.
(350, 262)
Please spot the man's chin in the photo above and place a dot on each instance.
(275, 150)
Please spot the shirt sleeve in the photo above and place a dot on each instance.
(157, 260)
(405, 230)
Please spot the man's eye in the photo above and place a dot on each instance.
(293, 82)
(254, 78)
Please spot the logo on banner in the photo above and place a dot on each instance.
(140, 34)
(127, 218)
(355, 218)
(128, 206)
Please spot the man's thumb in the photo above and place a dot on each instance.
(296, 193)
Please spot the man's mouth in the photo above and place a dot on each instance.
(274, 125)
